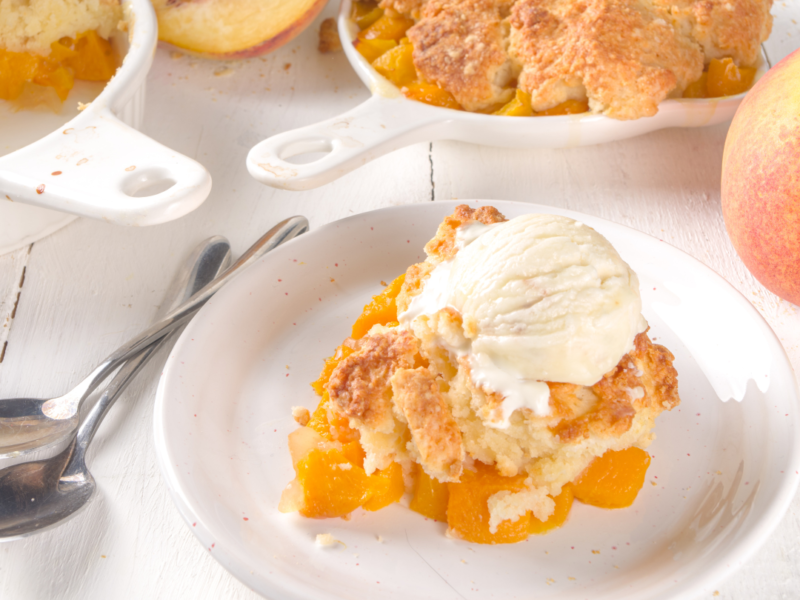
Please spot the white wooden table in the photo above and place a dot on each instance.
(70, 299)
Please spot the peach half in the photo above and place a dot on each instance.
(231, 29)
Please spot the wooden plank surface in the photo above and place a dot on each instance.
(91, 286)
(12, 278)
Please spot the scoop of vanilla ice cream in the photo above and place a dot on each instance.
(541, 298)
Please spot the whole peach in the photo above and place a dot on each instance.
(761, 179)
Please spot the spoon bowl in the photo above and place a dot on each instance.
(28, 424)
(22, 427)
(41, 494)
(37, 495)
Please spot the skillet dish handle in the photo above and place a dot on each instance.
(97, 166)
(372, 129)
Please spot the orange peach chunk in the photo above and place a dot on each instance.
(387, 487)
(382, 310)
(468, 511)
(726, 79)
(397, 65)
(430, 94)
(430, 497)
(387, 28)
(614, 479)
(568, 107)
(373, 49)
(332, 485)
(341, 353)
(559, 517)
(518, 106)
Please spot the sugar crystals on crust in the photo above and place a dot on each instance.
(461, 46)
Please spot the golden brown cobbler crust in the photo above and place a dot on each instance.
(360, 386)
(329, 37)
(406, 7)
(624, 56)
(648, 367)
(732, 28)
(433, 428)
(460, 45)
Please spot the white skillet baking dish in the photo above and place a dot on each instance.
(389, 121)
(97, 164)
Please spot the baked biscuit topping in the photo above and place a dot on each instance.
(434, 431)
(729, 28)
(619, 58)
(620, 54)
(461, 46)
(360, 386)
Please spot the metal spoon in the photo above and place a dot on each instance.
(40, 494)
(28, 424)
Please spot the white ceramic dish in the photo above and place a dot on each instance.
(388, 121)
(724, 473)
(95, 163)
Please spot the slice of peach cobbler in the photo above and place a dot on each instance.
(505, 375)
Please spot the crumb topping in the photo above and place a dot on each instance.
(301, 415)
(329, 37)
(460, 45)
(433, 428)
(360, 386)
(623, 56)
(644, 378)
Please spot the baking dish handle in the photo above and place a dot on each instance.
(97, 166)
(348, 141)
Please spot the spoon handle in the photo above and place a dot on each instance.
(282, 232)
(205, 263)
(94, 417)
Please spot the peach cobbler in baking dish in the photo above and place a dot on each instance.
(489, 386)
(45, 45)
(619, 58)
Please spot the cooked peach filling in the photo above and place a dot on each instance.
(331, 480)
(88, 57)
(722, 78)
(382, 41)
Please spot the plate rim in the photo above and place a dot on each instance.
(739, 552)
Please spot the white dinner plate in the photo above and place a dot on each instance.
(722, 475)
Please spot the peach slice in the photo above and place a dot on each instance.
(382, 310)
(228, 29)
(614, 479)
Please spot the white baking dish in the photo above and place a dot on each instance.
(388, 121)
(96, 164)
